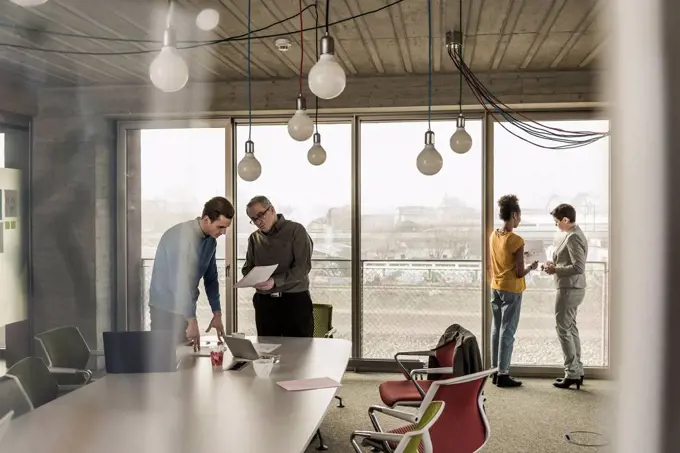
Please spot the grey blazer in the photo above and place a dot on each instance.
(570, 260)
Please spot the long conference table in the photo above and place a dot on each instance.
(195, 409)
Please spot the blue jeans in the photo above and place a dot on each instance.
(506, 307)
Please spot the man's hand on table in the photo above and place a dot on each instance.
(193, 334)
(216, 323)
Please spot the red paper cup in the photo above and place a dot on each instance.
(217, 358)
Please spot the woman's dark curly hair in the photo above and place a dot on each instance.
(508, 205)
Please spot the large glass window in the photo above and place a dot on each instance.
(543, 178)
(317, 197)
(181, 169)
(420, 237)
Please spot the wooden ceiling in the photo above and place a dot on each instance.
(501, 35)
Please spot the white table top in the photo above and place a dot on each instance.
(192, 410)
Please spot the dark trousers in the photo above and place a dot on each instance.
(173, 323)
(289, 315)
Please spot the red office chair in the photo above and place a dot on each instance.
(462, 427)
(410, 392)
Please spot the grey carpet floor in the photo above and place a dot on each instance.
(532, 418)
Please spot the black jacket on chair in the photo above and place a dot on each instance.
(466, 359)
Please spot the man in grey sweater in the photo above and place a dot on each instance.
(185, 255)
(283, 305)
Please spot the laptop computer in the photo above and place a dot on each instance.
(140, 352)
(242, 348)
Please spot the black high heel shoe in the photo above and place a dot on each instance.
(559, 379)
(568, 382)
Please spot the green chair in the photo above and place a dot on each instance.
(408, 441)
(13, 397)
(67, 355)
(36, 380)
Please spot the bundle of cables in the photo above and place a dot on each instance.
(533, 132)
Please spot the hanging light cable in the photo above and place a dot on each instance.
(460, 142)
(327, 79)
(316, 154)
(249, 169)
(300, 126)
(168, 71)
(429, 161)
(530, 131)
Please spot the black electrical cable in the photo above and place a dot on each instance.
(250, 91)
(569, 139)
(494, 100)
(196, 44)
(429, 65)
(316, 51)
(328, 13)
(569, 437)
(460, 77)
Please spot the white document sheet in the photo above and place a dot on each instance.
(533, 251)
(309, 384)
(259, 274)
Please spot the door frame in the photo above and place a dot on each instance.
(129, 273)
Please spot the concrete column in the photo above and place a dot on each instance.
(18, 337)
(73, 245)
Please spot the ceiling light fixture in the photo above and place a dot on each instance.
(168, 71)
(327, 79)
(300, 126)
(460, 141)
(429, 161)
(249, 169)
(316, 154)
(207, 19)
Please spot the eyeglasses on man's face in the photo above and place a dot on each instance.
(258, 217)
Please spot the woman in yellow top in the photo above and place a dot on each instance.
(507, 283)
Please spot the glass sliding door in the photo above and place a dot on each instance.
(421, 243)
(542, 179)
(180, 169)
(319, 198)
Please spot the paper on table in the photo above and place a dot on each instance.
(309, 384)
(533, 251)
(266, 348)
(258, 274)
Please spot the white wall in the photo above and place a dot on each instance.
(13, 266)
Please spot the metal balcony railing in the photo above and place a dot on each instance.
(408, 304)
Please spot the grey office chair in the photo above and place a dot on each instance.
(36, 380)
(13, 397)
(67, 355)
(4, 423)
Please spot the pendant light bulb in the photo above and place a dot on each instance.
(249, 169)
(168, 71)
(316, 154)
(207, 19)
(301, 126)
(28, 3)
(460, 142)
(327, 79)
(429, 161)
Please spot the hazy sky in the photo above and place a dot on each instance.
(187, 165)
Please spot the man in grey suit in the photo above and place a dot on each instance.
(569, 266)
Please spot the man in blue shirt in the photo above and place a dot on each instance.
(185, 254)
